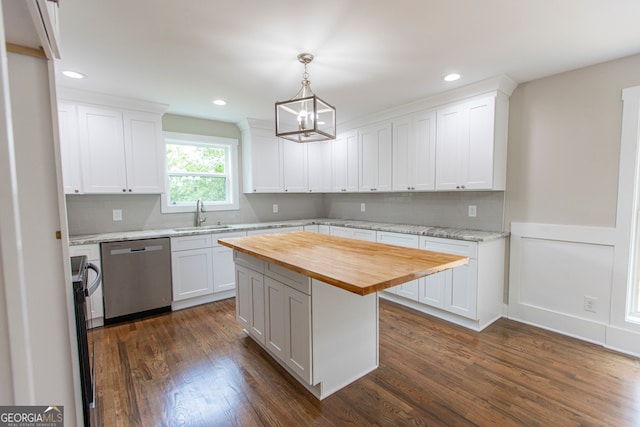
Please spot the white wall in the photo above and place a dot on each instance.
(564, 142)
(568, 241)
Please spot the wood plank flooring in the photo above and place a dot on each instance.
(196, 367)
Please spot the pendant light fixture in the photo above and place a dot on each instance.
(305, 117)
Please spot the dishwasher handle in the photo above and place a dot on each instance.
(96, 282)
(125, 251)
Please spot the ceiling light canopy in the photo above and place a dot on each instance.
(305, 117)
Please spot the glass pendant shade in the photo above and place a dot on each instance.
(305, 118)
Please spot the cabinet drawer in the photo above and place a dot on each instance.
(248, 261)
(216, 236)
(196, 241)
(450, 246)
(91, 251)
(274, 230)
(399, 239)
(290, 278)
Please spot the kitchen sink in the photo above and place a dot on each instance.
(202, 227)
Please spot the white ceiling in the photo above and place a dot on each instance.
(370, 55)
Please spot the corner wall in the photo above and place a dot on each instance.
(563, 204)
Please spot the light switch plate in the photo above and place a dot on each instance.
(362, 207)
(473, 210)
(275, 208)
(117, 214)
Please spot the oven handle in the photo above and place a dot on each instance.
(92, 288)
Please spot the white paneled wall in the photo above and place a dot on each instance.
(553, 268)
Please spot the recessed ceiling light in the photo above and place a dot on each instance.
(452, 77)
(220, 102)
(73, 74)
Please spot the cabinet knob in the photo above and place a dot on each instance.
(124, 190)
(462, 186)
(254, 190)
(77, 191)
(286, 189)
(129, 190)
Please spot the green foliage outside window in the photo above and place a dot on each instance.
(197, 172)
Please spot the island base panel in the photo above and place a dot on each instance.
(345, 336)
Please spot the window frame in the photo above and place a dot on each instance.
(231, 144)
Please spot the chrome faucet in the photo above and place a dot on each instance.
(199, 210)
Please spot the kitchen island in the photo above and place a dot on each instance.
(310, 300)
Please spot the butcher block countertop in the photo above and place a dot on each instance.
(357, 266)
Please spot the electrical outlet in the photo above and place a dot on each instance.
(473, 210)
(590, 304)
(275, 208)
(117, 214)
(362, 207)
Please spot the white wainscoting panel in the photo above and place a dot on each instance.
(553, 268)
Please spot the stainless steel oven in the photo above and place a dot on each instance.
(81, 293)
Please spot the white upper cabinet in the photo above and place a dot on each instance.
(101, 133)
(471, 145)
(110, 145)
(319, 166)
(294, 166)
(345, 163)
(374, 146)
(144, 152)
(70, 148)
(414, 149)
(262, 157)
(122, 151)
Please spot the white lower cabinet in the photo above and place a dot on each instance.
(273, 305)
(96, 305)
(250, 302)
(191, 266)
(470, 295)
(410, 289)
(201, 269)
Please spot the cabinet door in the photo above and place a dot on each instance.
(243, 297)
(70, 148)
(375, 158)
(223, 264)
(256, 289)
(192, 273)
(298, 332)
(294, 166)
(345, 163)
(319, 166)
(223, 274)
(102, 150)
(461, 292)
(265, 172)
(275, 315)
(423, 158)
(478, 150)
(432, 289)
(144, 149)
(448, 145)
(402, 178)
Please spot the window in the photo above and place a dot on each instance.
(200, 167)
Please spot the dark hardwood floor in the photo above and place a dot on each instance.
(196, 367)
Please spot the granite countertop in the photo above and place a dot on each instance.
(443, 232)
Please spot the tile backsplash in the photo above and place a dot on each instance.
(89, 214)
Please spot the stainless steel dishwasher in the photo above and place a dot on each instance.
(136, 278)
